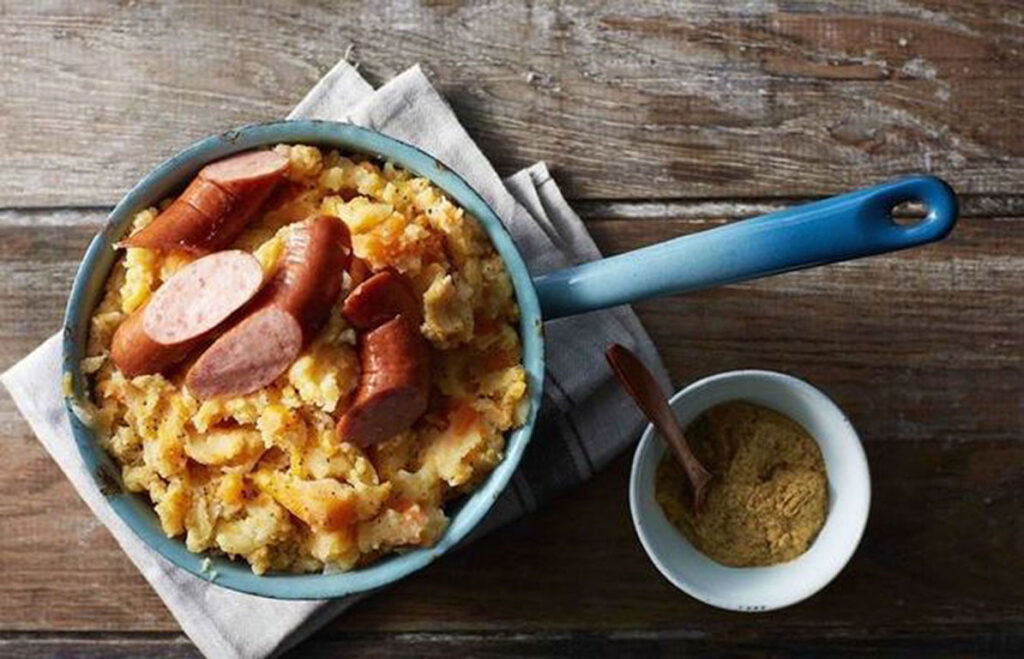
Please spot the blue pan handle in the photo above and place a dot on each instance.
(835, 229)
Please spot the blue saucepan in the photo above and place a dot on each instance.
(844, 227)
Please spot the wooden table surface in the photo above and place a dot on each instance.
(658, 119)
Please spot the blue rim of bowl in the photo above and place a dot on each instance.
(683, 584)
(135, 509)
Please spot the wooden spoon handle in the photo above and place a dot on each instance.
(640, 384)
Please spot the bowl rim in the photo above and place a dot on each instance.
(646, 453)
(86, 291)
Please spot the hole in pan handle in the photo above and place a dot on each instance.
(840, 228)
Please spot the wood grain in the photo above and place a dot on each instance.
(932, 385)
(934, 641)
(653, 100)
(658, 119)
(550, 572)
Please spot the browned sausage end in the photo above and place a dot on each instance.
(394, 386)
(380, 298)
(216, 206)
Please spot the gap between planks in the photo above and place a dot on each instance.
(971, 206)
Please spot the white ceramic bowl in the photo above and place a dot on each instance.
(758, 588)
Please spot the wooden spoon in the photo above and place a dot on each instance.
(640, 384)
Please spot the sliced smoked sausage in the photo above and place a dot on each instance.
(187, 308)
(134, 353)
(248, 356)
(287, 314)
(216, 206)
(394, 386)
(380, 298)
(308, 281)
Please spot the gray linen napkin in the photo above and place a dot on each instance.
(584, 422)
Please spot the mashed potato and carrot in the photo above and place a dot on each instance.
(265, 476)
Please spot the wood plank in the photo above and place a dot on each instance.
(971, 205)
(87, 646)
(623, 99)
(936, 641)
(920, 348)
(919, 345)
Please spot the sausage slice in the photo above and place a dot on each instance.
(216, 206)
(134, 353)
(185, 310)
(394, 387)
(248, 356)
(379, 299)
(288, 313)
